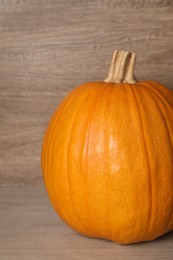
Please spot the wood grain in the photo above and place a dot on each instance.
(31, 230)
(48, 47)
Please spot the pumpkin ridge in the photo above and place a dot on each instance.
(54, 124)
(154, 95)
(107, 174)
(170, 142)
(67, 152)
(88, 144)
(47, 139)
(162, 89)
(49, 143)
(163, 102)
(159, 96)
(164, 99)
(146, 154)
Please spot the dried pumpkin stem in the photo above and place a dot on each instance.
(122, 68)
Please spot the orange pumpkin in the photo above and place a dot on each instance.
(107, 157)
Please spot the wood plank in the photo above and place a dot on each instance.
(48, 47)
(31, 230)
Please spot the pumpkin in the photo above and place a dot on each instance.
(107, 157)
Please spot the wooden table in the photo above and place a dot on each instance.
(31, 230)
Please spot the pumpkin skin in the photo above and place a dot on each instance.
(107, 161)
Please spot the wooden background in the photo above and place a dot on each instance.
(47, 47)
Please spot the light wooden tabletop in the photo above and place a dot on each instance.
(31, 230)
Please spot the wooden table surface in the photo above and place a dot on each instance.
(31, 230)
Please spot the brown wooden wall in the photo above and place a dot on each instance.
(49, 46)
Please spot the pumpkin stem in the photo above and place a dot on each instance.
(122, 68)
